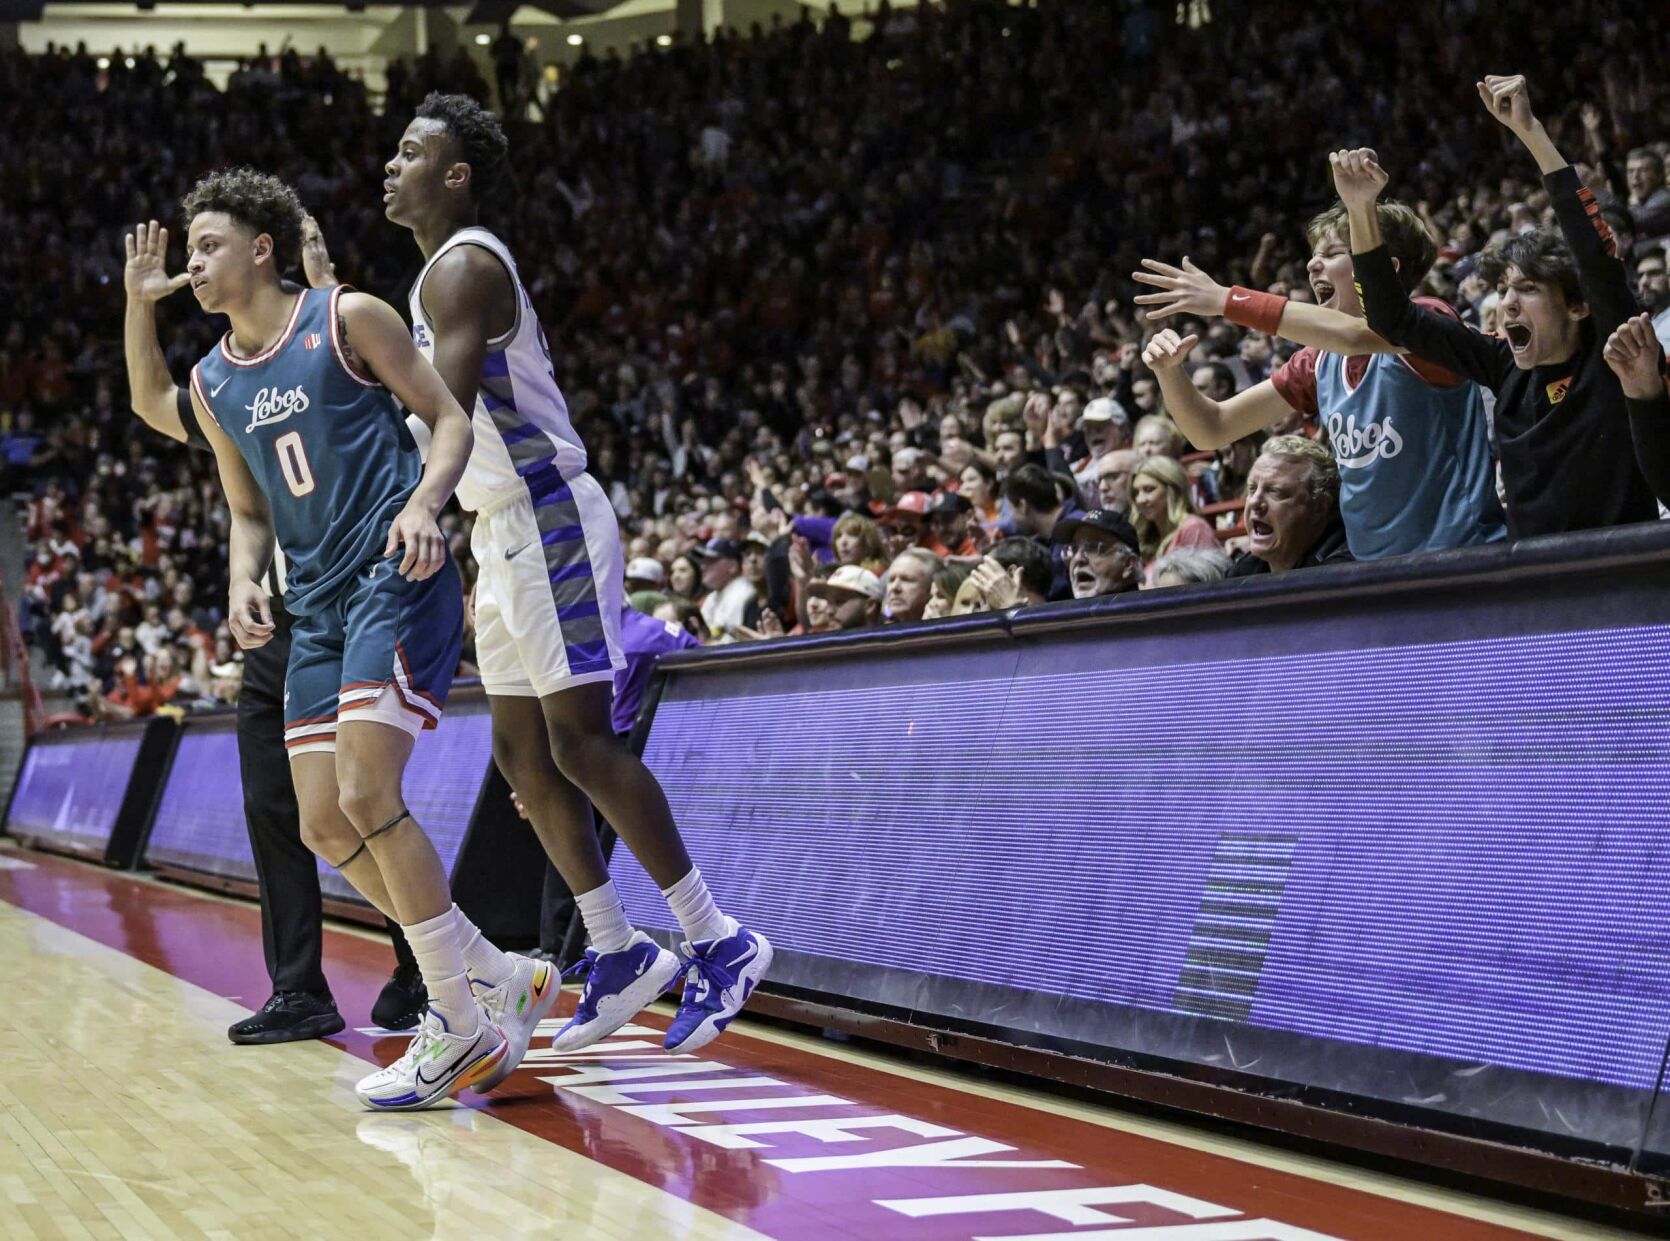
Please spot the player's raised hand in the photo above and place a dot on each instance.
(1358, 176)
(1167, 351)
(249, 614)
(146, 275)
(316, 256)
(1508, 99)
(1634, 354)
(1186, 290)
(415, 530)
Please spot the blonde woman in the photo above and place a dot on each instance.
(1162, 512)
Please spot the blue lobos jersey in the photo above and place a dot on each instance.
(328, 446)
(520, 418)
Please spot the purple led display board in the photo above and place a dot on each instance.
(71, 786)
(1451, 850)
(199, 822)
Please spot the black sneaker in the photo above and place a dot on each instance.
(289, 1017)
(402, 1000)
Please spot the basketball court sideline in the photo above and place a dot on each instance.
(124, 1112)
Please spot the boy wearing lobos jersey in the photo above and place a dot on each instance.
(1410, 437)
(298, 401)
(548, 597)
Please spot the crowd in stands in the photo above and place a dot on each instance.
(849, 325)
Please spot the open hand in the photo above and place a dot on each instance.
(1185, 290)
(1358, 176)
(1166, 352)
(1635, 356)
(1508, 99)
(316, 257)
(996, 585)
(145, 275)
(415, 529)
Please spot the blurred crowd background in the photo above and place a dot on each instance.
(846, 325)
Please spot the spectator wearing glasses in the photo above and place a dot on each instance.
(1102, 553)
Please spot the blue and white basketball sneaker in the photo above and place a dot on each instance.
(720, 975)
(618, 986)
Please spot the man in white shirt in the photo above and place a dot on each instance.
(729, 593)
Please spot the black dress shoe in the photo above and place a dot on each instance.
(289, 1017)
(402, 1000)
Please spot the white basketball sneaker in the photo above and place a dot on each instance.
(437, 1065)
(516, 1006)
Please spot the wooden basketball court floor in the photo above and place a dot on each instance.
(125, 1113)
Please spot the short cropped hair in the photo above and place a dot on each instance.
(1321, 471)
(1034, 485)
(1541, 255)
(477, 133)
(257, 201)
(1407, 239)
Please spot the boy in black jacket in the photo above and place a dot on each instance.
(1572, 455)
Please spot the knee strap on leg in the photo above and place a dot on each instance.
(343, 864)
(404, 814)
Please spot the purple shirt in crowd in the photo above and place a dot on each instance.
(642, 638)
(820, 533)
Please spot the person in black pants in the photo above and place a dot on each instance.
(301, 1005)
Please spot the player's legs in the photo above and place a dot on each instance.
(550, 625)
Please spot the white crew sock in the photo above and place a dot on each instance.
(693, 906)
(441, 962)
(605, 918)
(485, 963)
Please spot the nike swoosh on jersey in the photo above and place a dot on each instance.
(512, 552)
(215, 391)
(456, 1061)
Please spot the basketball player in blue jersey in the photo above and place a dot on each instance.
(298, 402)
(548, 598)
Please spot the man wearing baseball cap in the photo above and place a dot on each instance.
(1102, 553)
(644, 573)
(1106, 427)
(854, 595)
(725, 606)
(906, 523)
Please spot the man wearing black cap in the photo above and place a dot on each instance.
(729, 593)
(1101, 551)
(950, 517)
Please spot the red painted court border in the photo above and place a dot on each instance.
(216, 945)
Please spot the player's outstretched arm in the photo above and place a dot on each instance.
(316, 256)
(1208, 424)
(1600, 276)
(1508, 99)
(377, 338)
(152, 392)
(1359, 179)
(248, 608)
(1187, 290)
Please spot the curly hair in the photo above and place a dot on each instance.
(255, 200)
(478, 134)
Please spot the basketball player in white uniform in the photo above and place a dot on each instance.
(548, 597)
